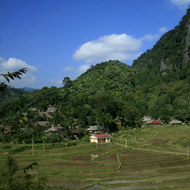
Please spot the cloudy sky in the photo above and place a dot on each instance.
(58, 38)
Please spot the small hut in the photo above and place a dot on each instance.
(175, 122)
(147, 119)
(93, 129)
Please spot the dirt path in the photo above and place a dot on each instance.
(157, 151)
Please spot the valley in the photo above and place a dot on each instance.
(155, 158)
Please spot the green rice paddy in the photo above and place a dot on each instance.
(146, 158)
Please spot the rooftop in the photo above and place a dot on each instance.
(102, 135)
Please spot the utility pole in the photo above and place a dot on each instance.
(44, 148)
(32, 146)
(188, 154)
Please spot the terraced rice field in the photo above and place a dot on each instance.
(151, 160)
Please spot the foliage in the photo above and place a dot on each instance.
(10, 180)
(11, 76)
(163, 74)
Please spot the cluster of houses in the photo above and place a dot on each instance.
(48, 113)
(96, 134)
(150, 121)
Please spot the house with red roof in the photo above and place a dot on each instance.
(156, 123)
(100, 138)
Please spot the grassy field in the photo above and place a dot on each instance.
(146, 158)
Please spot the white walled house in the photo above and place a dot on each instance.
(100, 138)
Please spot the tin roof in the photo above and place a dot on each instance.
(102, 135)
(156, 122)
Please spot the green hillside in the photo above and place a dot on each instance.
(164, 74)
(170, 55)
(109, 77)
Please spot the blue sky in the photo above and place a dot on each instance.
(58, 38)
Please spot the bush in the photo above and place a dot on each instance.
(86, 138)
(15, 150)
(10, 180)
(72, 143)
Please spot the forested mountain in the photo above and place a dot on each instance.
(170, 54)
(111, 77)
(113, 94)
(164, 74)
(105, 94)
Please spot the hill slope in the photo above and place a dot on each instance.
(163, 74)
(171, 53)
(111, 76)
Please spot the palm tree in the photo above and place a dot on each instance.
(11, 76)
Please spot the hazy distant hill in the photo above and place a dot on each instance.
(27, 89)
(11, 93)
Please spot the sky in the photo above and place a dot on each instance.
(58, 38)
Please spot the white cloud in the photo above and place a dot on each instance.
(163, 29)
(121, 47)
(182, 4)
(68, 68)
(55, 82)
(13, 64)
(150, 37)
(59, 82)
(83, 68)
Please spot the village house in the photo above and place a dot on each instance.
(53, 129)
(50, 110)
(43, 123)
(175, 122)
(100, 138)
(147, 119)
(93, 129)
(33, 109)
(155, 123)
(5, 129)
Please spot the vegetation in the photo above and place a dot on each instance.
(163, 74)
(11, 180)
(11, 76)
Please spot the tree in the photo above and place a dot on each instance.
(12, 179)
(11, 76)
(67, 82)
